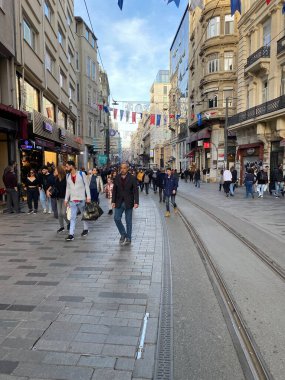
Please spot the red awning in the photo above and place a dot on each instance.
(15, 114)
(191, 153)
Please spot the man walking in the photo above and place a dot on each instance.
(234, 180)
(10, 182)
(170, 189)
(125, 197)
(77, 191)
(227, 181)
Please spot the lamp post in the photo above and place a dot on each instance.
(226, 134)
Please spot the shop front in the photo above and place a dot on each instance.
(249, 155)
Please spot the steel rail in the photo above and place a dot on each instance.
(251, 355)
(273, 265)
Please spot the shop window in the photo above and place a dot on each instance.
(213, 29)
(29, 34)
(48, 109)
(228, 60)
(61, 119)
(229, 24)
(28, 96)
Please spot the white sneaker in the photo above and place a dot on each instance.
(49, 212)
(45, 211)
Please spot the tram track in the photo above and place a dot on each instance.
(251, 360)
(273, 265)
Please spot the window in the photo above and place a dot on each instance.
(94, 99)
(29, 34)
(89, 98)
(71, 92)
(283, 80)
(213, 63)
(70, 56)
(93, 42)
(49, 62)
(87, 34)
(228, 60)
(90, 127)
(68, 19)
(267, 32)
(229, 24)
(77, 60)
(61, 119)
(62, 79)
(88, 67)
(78, 92)
(264, 91)
(71, 125)
(48, 109)
(60, 36)
(213, 29)
(93, 71)
(164, 90)
(228, 94)
(213, 101)
(47, 10)
(247, 97)
(28, 96)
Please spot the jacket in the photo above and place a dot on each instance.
(10, 180)
(262, 177)
(227, 175)
(160, 180)
(126, 192)
(277, 175)
(170, 184)
(61, 187)
(99, 181)
(79, 190)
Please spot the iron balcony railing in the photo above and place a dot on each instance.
(262, 109)
(281, 45)
(263, 52)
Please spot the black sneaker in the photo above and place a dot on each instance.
(68, 227)
(110, 212)
(60, 230)
(84, 233)
(122, 240)
(30, 212)
(70, 238)
(127, 242)
(35, 212)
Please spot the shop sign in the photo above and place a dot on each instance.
(221, 155)
(38, 147)
(47, 127)
(282, 142)
(61, 134)
(102, 159)
(45, 143)
(250, 151)
(26, 144)
(66, 149)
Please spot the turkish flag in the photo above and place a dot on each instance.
(152, 119)
(134, 115)
(115, 113)
(171, 116)
(268, 1)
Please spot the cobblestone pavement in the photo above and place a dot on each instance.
(74, 310)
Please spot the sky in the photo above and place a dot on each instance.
(134, 43)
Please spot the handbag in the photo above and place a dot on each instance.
(68, 212)
(92, 211)
(54, 193)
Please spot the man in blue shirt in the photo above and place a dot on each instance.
(170, 189)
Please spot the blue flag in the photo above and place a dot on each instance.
(176, 2)
(121, 114)
(106, 109)
(283, 9)
(158, 118)
(235, 6)
(120, 3)
(178, 116)
(199, 117)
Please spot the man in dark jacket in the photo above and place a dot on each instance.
(160, 184)
(234, 180)
(170, 188)
(10, 182)
(277, 179)
(125, 197)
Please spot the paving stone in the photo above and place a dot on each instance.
(21, 308)
(48, 283)
(97, 361)
(119, 351)
(125, 364)
(60, 358)
(142, 370)
(108, 374)
(25, 283)
(3, 278)
(123, 295)
(85, 348)
(7, 366)
(36, 274)
(71, 298)
(91, 338)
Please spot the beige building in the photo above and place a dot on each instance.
(46, 82)
(260, 123)
(88, 90)
(213, 69)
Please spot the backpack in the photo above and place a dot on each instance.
(146, 178)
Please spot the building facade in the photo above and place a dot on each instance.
(259, 123)
(212, 93)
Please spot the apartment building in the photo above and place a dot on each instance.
(46, 80)
(88, 89)
(175, 147)
(259, 123)
(159, 105)
(213, 69)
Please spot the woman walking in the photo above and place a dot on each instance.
(249, 181)
(109, 191)
(96, 185)
(32, 186)
(197, 178)
(60, 186)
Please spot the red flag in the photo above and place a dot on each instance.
(268, 1)
(152, 119)
(171, 116)
(134, 114)
(115, 113)
(100, 106)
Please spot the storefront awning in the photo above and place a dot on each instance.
(203, 134)
(13, 114)
(191, 153)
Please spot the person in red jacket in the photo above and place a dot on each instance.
(10, 182)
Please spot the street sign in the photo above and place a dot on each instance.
(102, 159)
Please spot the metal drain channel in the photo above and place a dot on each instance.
(164, 353)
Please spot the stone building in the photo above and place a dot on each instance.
(260, 123)
(213, 69)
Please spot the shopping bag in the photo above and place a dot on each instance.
(92, 211)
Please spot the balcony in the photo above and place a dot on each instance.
(281, 46)
(260, 110)
(259, 60)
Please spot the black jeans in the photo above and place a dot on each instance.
(161, 193)
(13, 200)
(146, 187)
(33, 195)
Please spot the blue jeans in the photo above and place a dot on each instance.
(232, 188)
(249, 188)
(74, 207)
(167, 201)
(197, 182)
(94, 195)
(118, 220)
(45, 201)
(277, 189)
